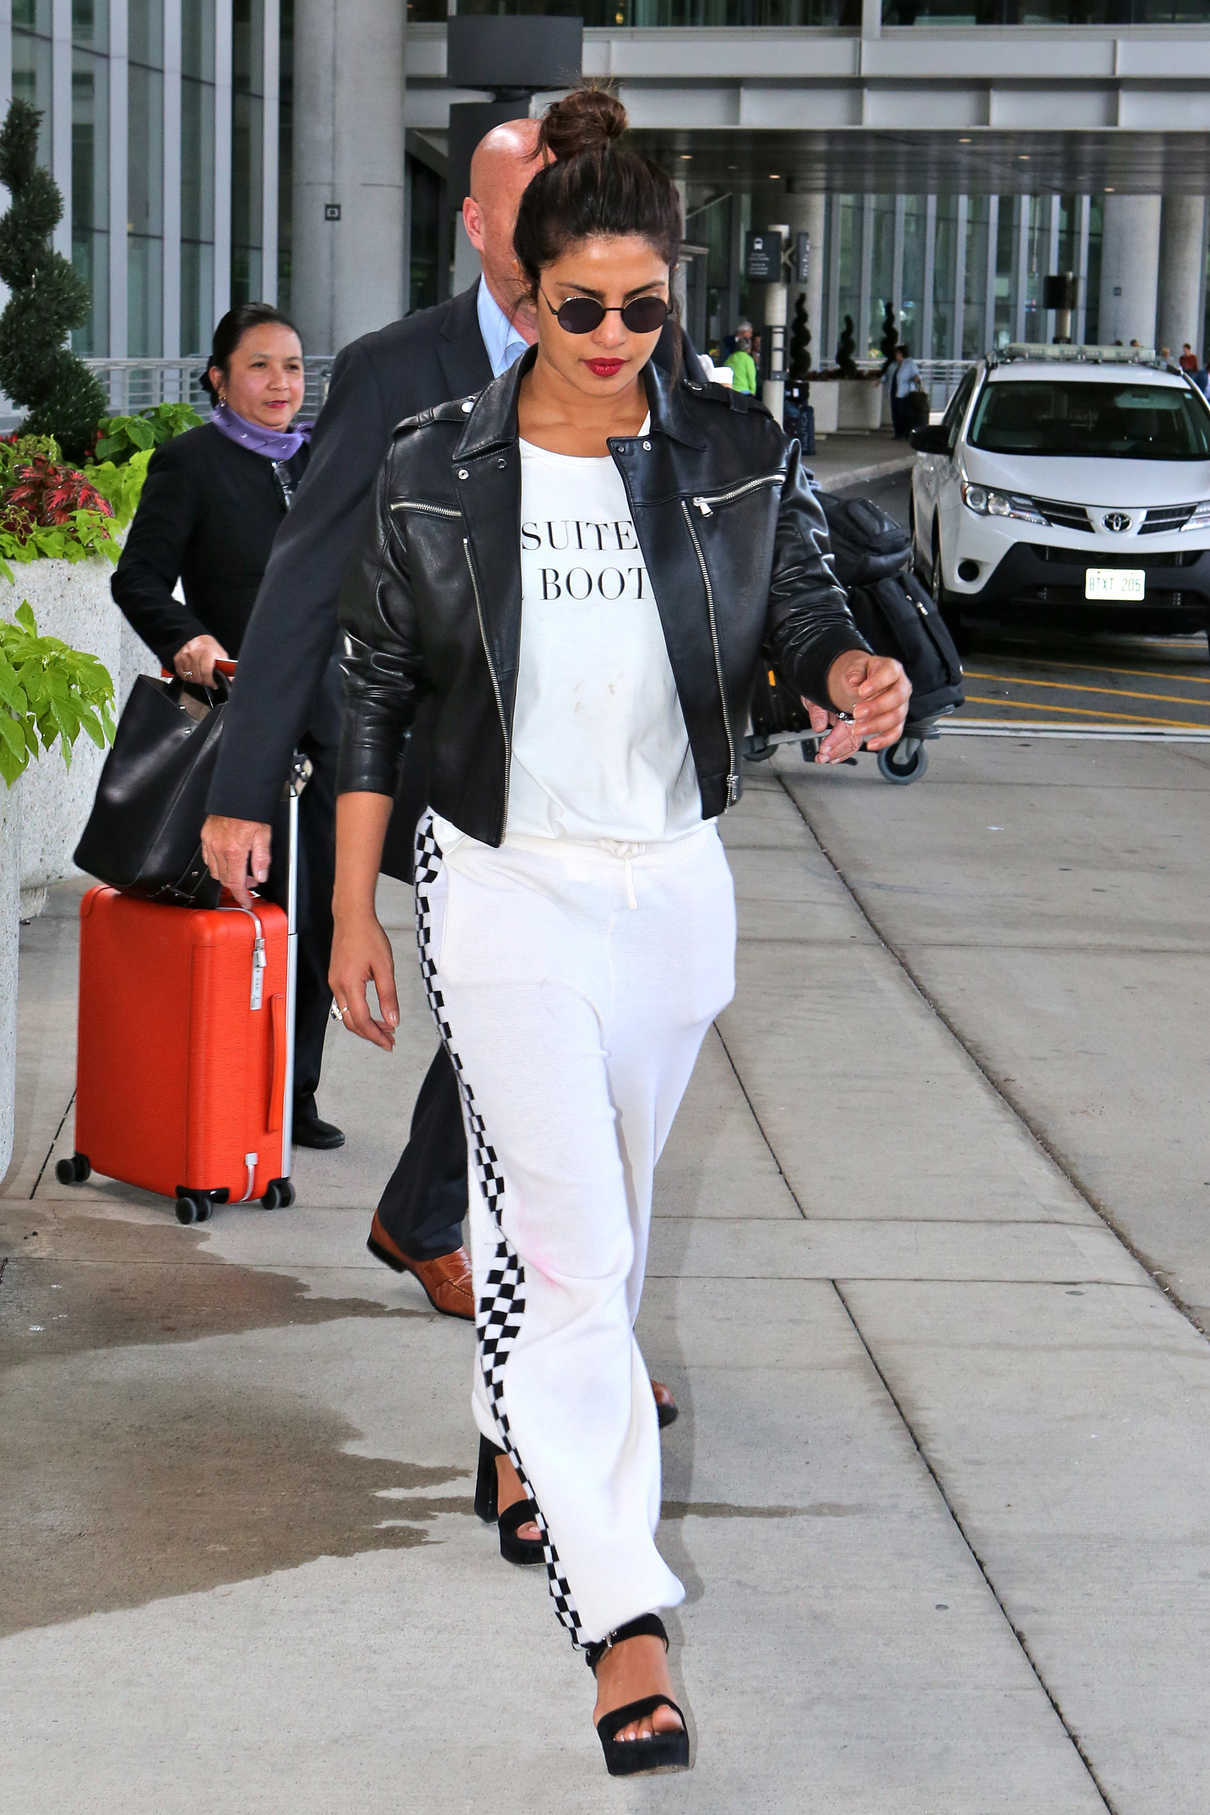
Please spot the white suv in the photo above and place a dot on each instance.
(1068, 481)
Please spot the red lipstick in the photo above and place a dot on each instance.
(604, 368)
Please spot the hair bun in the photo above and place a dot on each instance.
(585, 120)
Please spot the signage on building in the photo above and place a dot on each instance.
(802, 257)
(762, 258)
(331, 211)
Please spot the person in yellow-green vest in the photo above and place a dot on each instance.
(741, 361)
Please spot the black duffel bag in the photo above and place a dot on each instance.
(144, 832)
(894, 613)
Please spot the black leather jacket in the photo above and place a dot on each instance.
(735, 546)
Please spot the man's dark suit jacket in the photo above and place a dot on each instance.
(289, 662)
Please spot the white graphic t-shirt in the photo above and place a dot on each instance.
(600, 749)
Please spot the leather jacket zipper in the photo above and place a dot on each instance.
(491, 669)
(434, 510)
(705, 506)
(732, 765)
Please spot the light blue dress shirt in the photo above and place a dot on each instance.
(500, 337)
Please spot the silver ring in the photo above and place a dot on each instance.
(338, 1014)
(189, 674)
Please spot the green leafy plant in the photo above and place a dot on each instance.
(890, 337)
(800, 343)
(47, 298)
(846, 349)
(121, 438)
(49, 692)
(49, 509)
(121, 485)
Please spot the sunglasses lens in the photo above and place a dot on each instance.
(645, 314)
(580, 315)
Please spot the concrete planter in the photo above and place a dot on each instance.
(42, 817)
(825, 401)
(72, 601)
(859, 406)
(10, 875)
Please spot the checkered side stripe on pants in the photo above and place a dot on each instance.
(498, 1312)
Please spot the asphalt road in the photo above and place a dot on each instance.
(1095, 684)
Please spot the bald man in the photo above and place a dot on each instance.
(289, 660)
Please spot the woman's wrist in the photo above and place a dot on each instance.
(842, 691)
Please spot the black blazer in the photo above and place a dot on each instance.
(208, 515)
(290, 664)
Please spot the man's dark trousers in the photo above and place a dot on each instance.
(425, 1199)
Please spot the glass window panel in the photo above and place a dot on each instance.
(1006, 260)
(197, 38)
(975, 297)
(145, 35)
(424, 217)
(1036, 264)
(882, 271)
(248, 49)
(89, 141)
(655, 13)
(31, 82)
(913, 276)
(945, 246)
(145, 140)
(90, 23)
(1092, 285)
(32, 15)
(849, 262)
(90, 256)
(247, 173)
(247, 266)
(197, 163)
(197, 297)
(145, 297)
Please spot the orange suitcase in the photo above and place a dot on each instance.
(183, 1061)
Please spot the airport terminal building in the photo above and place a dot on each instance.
(944, 157)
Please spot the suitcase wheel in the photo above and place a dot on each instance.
(73, 1171)
(903, 762)
(279, 1194)
(193, 1206)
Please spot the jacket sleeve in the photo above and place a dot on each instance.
(154, 555)
(808, 623)
(383, 671)
(292, 633)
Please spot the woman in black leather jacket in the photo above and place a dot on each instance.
(572, 578)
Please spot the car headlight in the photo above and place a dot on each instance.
(987, 503)
(1200, 518)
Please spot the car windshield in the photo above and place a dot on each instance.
(1117, 420)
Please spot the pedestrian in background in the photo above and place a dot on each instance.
(1188, 359)
(743, 366)
(212, 504)
(903, 377)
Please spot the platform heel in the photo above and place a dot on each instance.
(663, 1751)
(513, 1548)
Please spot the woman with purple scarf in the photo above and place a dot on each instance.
(212, 503)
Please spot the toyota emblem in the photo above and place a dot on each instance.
(1116, 520)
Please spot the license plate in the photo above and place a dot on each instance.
(1115, 583)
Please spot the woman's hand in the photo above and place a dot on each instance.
(361, 954)
(876, 691)
(194, 660)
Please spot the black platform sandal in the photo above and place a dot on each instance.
(663, 1751)
(513, 1548)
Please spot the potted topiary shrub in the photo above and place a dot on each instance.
(49, 694)
(858, 403)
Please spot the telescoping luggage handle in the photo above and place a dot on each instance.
(281, 1076)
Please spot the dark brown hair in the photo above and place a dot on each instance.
(597, 184)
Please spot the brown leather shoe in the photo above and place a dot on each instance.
(446, 1281)
(666, 1408)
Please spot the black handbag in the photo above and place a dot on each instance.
(144, 832)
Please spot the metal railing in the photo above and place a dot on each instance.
(139, 384)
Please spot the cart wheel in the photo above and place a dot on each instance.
(205, 1207)
(903, 762)
(186, 1208)
(73, 1171)
(757, 749)
(279, 1194)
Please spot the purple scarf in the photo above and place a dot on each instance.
(274, 444)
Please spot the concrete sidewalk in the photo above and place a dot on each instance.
(938, 1489)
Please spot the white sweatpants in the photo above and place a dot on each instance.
(573, 985)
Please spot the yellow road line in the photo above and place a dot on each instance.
(1117, 693)
(1139, 674)
(1130, 718)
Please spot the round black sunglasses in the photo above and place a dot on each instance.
(581, 314)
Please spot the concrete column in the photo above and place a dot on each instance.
(348, 155)
(1130, 269)
(1182, 272)
(808, 214)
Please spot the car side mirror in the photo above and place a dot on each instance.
(932, 440)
